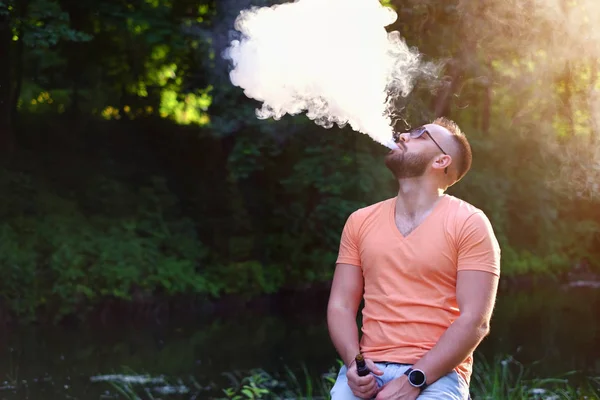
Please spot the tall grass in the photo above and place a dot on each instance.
(508, 379)
(503, 379)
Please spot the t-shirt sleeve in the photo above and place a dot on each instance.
(348, 252)
(478, 248)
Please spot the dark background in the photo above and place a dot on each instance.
(133, 172)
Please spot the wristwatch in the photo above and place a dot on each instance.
(416, 378)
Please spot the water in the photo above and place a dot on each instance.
(558, 329)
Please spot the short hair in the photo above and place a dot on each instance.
(465, 155)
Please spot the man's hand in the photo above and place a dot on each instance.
(398, 389)
(364, 387)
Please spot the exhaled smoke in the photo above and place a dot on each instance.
(332, 59)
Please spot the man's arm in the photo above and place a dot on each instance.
(344, 300)
(476, 295)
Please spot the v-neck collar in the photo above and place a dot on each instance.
(392, 217)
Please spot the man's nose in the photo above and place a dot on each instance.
(404, 137)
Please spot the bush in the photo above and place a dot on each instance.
(58, 255)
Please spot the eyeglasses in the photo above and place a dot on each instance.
(417, 133)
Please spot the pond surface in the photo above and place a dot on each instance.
(557, 330)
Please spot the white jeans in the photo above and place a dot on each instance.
(448, 387)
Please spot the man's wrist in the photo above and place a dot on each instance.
(351, 362)
(352, 358)
(416, 378)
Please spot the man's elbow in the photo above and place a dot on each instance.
(483, 329)
(478, 325)
(337, 308)
(335, 311)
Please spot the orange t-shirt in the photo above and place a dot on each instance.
(410, 282)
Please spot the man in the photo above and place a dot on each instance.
(428, 265)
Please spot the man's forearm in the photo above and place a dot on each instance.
(344, 333)
(461, 338)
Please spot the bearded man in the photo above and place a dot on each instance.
(427, 266)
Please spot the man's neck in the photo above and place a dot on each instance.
(416, 197)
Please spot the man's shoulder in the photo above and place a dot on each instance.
(372, 210)
(462, 209)
(465, 214)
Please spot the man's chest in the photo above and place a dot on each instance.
(422, 254)
(407, 225)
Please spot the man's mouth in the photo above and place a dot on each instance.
(401, 146)
(400, 149)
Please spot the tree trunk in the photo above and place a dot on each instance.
(75, 53)
(594, 102)
(18, 59)
(6, 134)
(486, 113)
(566, 99)
(443, 102)
(566, 79)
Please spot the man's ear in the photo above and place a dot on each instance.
(443, 161)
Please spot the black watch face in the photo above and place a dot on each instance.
(416, 377)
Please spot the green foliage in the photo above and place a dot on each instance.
(530, 208)
(261, 204)
(505, 379)
(250, 278)
(254, 386)
(508, 379)
(58, 256)
(46, 24)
